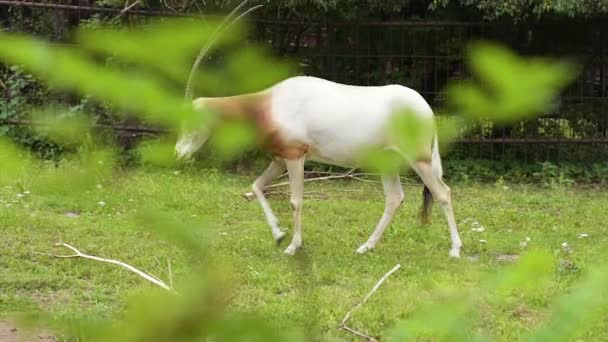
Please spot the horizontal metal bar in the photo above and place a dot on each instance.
(93, 8)
(157, 130)
(400, 23)
(375, 56)
(116, 127)
(533, 141)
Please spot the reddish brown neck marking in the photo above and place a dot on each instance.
(256, 108)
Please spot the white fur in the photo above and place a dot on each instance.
(339, 121)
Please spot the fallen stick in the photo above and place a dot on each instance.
(330, 175)
(78, 254)
(374, 289)
(170, 274)
(250, 196)
(306, 194)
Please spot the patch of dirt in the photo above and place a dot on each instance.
(10, 333)
(72, 214)
(507, 257)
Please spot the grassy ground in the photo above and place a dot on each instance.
(315, 289)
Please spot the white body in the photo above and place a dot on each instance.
(340, 121)
(315, 119)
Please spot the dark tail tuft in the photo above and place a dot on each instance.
(427, 205)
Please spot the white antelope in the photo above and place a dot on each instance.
(307, 118)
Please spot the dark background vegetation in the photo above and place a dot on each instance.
(419, 44)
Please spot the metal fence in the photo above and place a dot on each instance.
(426, 55)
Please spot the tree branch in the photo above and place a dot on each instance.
(79, 254)
(250, 196)
(128, 7)
(374, 289)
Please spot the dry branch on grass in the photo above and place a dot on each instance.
(329, 175)
(79, 254)
(349, 313)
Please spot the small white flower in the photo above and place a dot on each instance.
(504, 187)
(223, 233)
(8, 205)
(479, 229)
(20, 195)
(176, 172)
(509, 230)
(27, 192)
(565, 245)
(101, 203)
(131, 200)
(483, 241)
(528, 238)
(99, 186)
(583, 235)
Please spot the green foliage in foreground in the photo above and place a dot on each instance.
(226, 272)
(267, 294)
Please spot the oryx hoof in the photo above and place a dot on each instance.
(291, 250)
(455, 253)
(364, 249)
(280, 237)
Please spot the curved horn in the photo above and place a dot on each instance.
(224, 25)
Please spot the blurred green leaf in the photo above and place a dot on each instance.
(148, 45)
(14, 163)
(531, 271)
(66, 128)
(450, 319)
(508, 87)
(586, 305)
(384, 161)
(251, 69)
(233, 138)
(77, 174)
(413, 133)
(158, 153)
(68, 68)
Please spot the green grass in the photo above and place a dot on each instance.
(311, 292)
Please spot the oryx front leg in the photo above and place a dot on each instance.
(393, 197)
(274, 170)
(441, 193)
(295, 169)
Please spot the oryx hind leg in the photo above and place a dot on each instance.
(441, 193)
